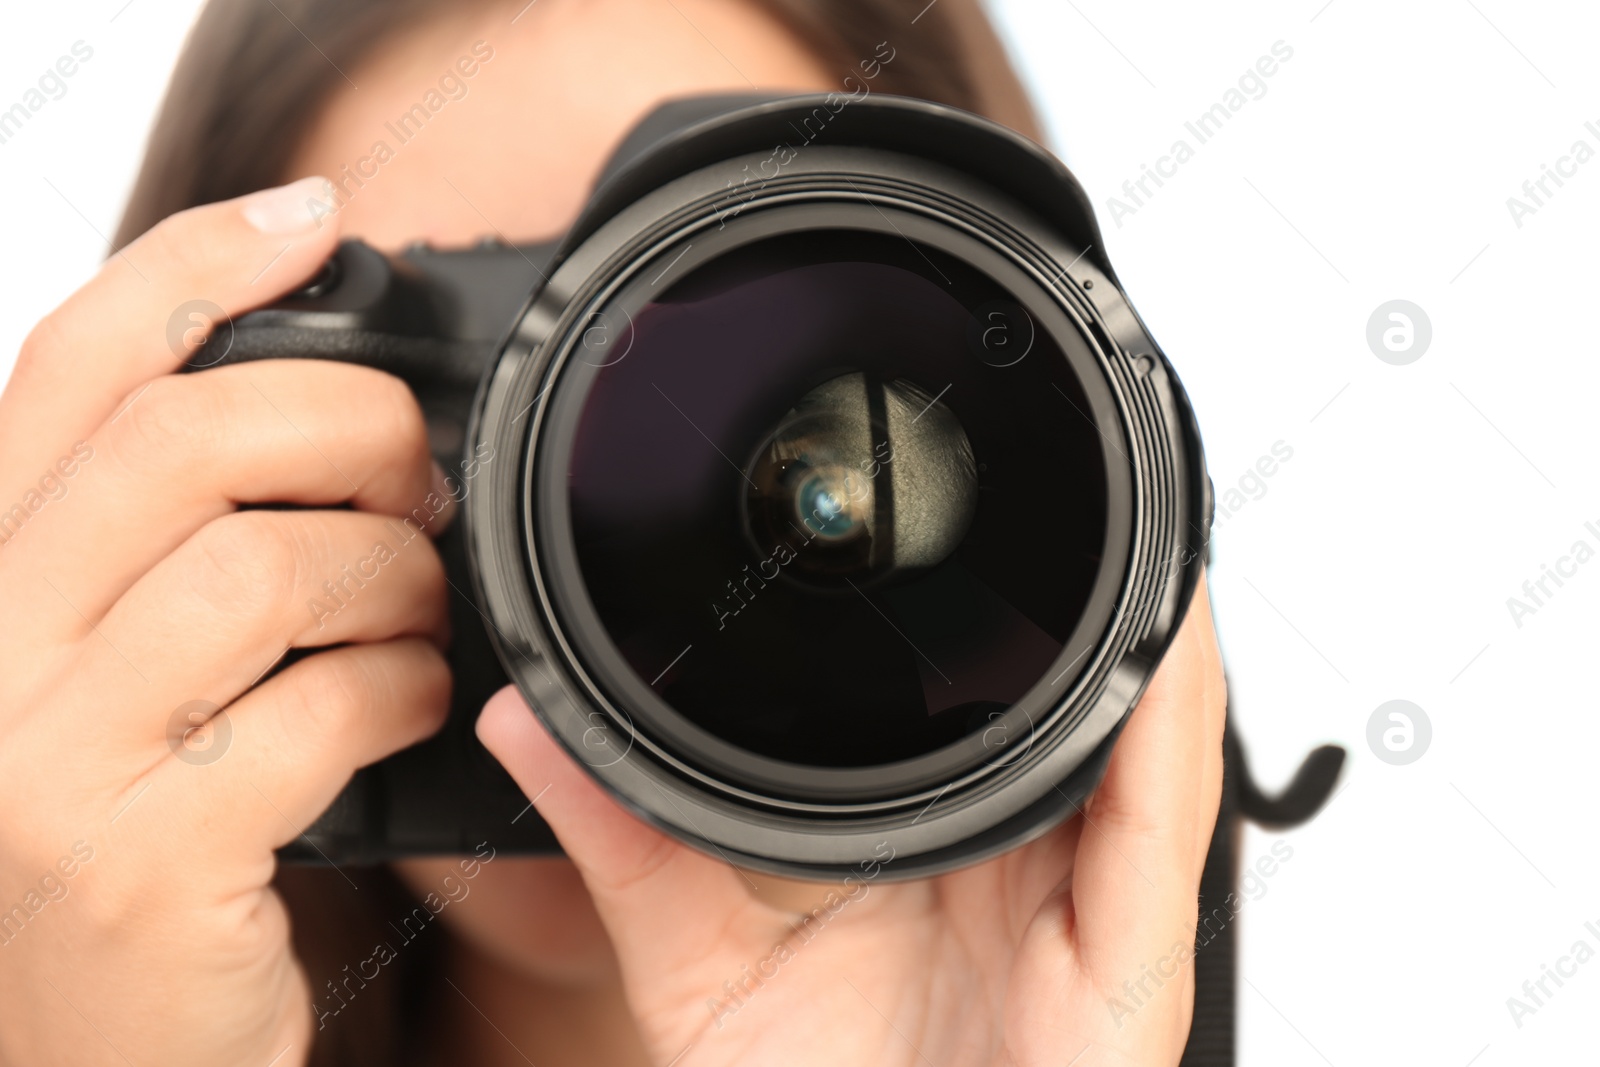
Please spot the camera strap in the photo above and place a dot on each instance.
(1211, 1035)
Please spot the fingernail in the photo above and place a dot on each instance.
(442, 488)
(292, 208)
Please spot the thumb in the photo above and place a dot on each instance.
(664, 904)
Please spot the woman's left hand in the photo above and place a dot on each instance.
(1024, 960)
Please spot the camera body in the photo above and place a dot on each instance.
(915, 492)
(433, 319)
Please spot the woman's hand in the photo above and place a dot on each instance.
(1018, 961)
(136, 920)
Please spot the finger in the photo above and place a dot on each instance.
(1137, 871)
(278, 756)
(207, 621)
(195, 445)
(1216, 714)
(110, 337)
(665, 905)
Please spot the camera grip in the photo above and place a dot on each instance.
(436, 320)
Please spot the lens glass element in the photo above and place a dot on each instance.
(841, 503)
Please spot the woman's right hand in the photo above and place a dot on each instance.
(137, 923)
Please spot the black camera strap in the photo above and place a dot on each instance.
(1211, 1035)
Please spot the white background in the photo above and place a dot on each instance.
(1378, 562)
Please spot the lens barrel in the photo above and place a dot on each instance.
(855, 506)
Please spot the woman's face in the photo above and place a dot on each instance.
(513, 152)
(517, 144)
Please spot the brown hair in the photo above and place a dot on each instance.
(237, 106)
(246, 84)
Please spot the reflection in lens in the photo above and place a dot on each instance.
(878, 477)
(828, 503)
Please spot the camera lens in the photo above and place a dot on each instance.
(817, 523)
(846, 520)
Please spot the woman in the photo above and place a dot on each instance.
(136, 586)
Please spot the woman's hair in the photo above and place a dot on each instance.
(240, 101)
(247, 82)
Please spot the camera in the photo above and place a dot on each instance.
(820, 490)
